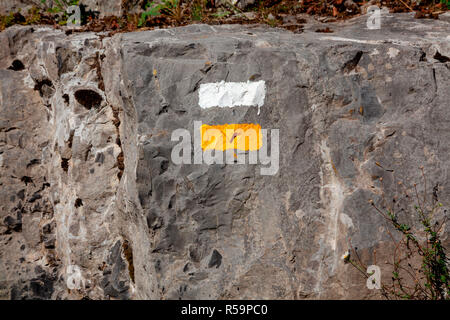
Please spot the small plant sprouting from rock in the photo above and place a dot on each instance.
(198, 7)
(59, 9)
(59, 5)
(420, 267)
(171, 8)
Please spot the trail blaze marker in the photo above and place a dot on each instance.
(232, 94)
(245, 137)
(219, 144)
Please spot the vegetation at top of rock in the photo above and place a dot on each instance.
(171, 8)
(59, 5)
(168, 13)
(446, 3)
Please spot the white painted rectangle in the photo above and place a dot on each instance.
(232, 94)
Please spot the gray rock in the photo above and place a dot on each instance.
(87, 173)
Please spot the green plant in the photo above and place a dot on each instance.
(6, 21)
(420, 265)
(197, 9)
(447, 3)
(58, 6)
(34, 16)
(58, 9)
(221, 14)
(171, 8)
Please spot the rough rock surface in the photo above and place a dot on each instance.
(91, 204)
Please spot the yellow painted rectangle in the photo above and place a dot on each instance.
(241, 136)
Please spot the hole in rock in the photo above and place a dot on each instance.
(65, 164)
(44, 87)
(351, 64)
(88, 98)
(17, 65)
(78, 203)
(66, 98)
(438, 56)
(216, 259)
(26, 180)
